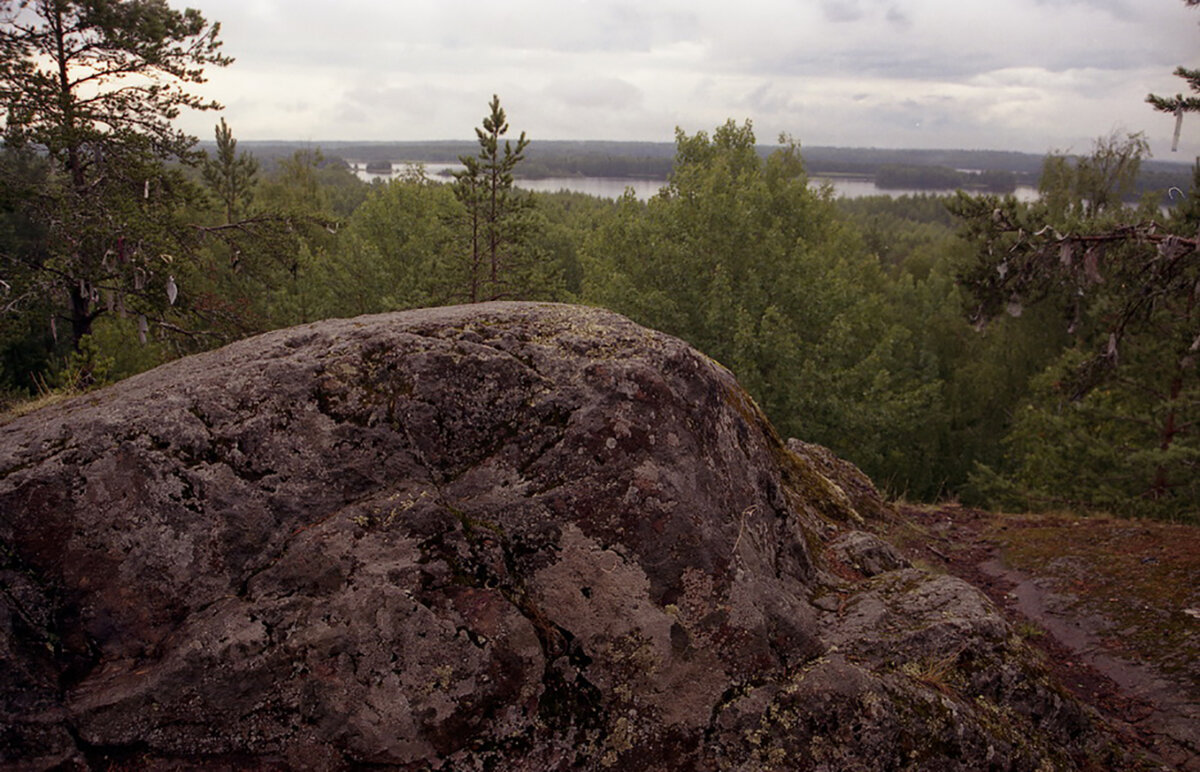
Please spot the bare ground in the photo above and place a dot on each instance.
(1113, 604)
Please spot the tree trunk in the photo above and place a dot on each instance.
(82, 316)
(1161, 484)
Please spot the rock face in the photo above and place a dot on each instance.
(508, 536)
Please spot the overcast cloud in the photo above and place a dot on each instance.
(1032, 75)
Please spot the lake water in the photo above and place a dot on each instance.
(614, 187)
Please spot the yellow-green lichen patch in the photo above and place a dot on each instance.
(808, 485)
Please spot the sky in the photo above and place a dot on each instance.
(1030, 75)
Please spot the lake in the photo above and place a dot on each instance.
(614, 187)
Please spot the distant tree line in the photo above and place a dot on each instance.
(997, 171)
(893, 176)
(589, 165)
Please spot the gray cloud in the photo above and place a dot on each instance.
(595, 93)
(768, 99)
(1120, 9)
(873, 62)
(842, 11)
(847, 11)
(898, 17)
(1019, 73)
(570, 27)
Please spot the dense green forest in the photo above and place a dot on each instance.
(1036, 355)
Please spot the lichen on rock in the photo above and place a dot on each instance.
(518, 536)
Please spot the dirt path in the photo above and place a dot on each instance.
(1114, 604)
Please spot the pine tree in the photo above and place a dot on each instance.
(1113, 421)
(1179, 104)
(500, 262)
(230, 176)
(95, 86)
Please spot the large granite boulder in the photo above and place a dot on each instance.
(506, 536)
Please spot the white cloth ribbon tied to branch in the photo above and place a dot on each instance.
(1178, 125)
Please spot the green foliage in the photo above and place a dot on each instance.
(1125, 447)
(396, 251)
(1179, 103)
(908, 234)
(84, 75)
(1185, 216)
(741, 258)
(568, 221)
(92, 87)
(27, 342)
(499, 260)
(942, 178)
(116, 343)
(593, 163)
(230, 176)
(1111, 423)
(277, 257)
(923, 209)
(344, 192)
(1092, 185)
(726, 221)
(27, 351)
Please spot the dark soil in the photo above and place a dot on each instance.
(1114, 605)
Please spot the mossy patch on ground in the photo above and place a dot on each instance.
(1142, 576)
(1113, 605)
